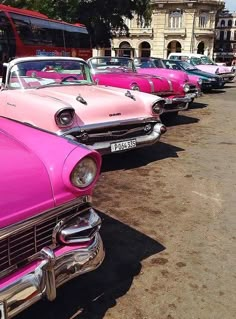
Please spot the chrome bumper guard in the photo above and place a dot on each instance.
(141, 141)
(51, 272)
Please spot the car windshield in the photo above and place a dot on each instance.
(37, 73)
(147, 63)
(111, 64)
(171, 64)
(187, 66)
(206, 60)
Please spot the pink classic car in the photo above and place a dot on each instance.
(121, 72)
(49, 231)
(59, 95)
(205, 64)
(182, 81)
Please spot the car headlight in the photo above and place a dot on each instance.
(135, 87)
(217, 71)
(158, 107)
(232, 69)
(200, 81)
(213, 80)
(65, 117)
(84, 173)
(186, 88)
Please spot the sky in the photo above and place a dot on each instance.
(230, 5)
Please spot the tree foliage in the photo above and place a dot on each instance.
(99, 16)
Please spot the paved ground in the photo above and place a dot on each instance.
(169, 226)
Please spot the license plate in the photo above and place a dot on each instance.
(121, 146)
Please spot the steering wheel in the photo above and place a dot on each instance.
(68, 77)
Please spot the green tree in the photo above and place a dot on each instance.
(99, 16)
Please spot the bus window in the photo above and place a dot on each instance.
(23, 28)
(7, 40)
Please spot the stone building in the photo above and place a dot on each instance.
(225, 41)
(176, 26)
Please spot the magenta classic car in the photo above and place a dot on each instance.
(59, 95)
(49, 231)
(155, 66)
(121, 72)
(204, 63)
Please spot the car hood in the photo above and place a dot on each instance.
(201, 73)
(212, 68)
(96, 103)
(25, 186)
(169, 74)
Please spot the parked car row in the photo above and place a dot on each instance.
(58, 116)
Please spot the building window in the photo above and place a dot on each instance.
(228, 35)
(173, 46)
(230, 23)
(222, 35)
(203, 20)
(222, 23)
(175, 20)
(234, 35)
(144, 49)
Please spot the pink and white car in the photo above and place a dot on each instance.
(205, 64)
(121, 72)
(49, 231)
(59, 95)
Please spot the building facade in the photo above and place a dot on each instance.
(225, 42)
(176, 26)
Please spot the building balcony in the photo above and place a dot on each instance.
(135, 32)
(210, 32)
(169, 32)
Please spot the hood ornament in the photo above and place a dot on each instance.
(130, 95)
(80, 99)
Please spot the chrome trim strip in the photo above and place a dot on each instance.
(151, 85)
(106, 125)
(14, 229)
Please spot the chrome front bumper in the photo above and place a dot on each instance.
(227, 76)
(44, 276)
(141, 141)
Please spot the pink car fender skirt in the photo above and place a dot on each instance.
(41, 279)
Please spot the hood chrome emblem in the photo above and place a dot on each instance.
(80, 99)
(128, 94)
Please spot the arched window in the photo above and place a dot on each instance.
(201, 48)
(125, 49)
(222, 23)
(230, 23)
(144, 49)
(175, 19)
(234, 35)
(173, 46)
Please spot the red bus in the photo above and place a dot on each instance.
(26, 33)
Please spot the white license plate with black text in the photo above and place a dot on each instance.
(124, 145)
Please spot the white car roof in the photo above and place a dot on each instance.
(196, 55)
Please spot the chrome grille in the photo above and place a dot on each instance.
(193, 89)
(117, 133)
(16, 250)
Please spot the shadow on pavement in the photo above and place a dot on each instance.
(182, 119)
(197, 105)
(139, 157)
(92, 294)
